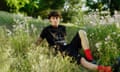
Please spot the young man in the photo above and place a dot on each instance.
(55, 36)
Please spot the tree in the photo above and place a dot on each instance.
(114, 5)
(35, 7)
(46, 5)
(15, 5)
(30, 8)
(3, 5)
(72, 11)
(101, 5)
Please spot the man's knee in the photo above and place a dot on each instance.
(82, 33)
(83, 61)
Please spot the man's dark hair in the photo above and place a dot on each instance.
(54, 14)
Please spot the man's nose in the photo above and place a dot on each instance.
(55, 19)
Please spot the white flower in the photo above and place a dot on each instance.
(32, 26)
(27, 31)
(8, 32)
(20, 26)
(108, 37)
(106, 42)
(114, 33)
(117, 25)
(14, 26)
(118, 35)
(98, 44)
(91, 34)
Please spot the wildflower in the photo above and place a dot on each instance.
(8, 32)
(14, 26)
(114, 33)
(106, 42)
(20, 26)
(91, 34)
(117, 25)
(107, 38)
(32, 26)
(118, 35)
(27, 31)
(98, 44)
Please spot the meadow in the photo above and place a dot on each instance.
(18, 53)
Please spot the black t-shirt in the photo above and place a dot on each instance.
(54, 35)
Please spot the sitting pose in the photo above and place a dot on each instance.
(55, 36)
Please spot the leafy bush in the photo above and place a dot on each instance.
(104, 41)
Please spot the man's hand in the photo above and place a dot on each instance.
(38, 42)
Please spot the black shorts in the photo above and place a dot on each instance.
(72, 49)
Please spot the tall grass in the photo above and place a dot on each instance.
(18, 54)
(104, 40)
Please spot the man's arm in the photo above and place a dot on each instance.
(38, 42)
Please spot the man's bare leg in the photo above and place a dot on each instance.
(85, 45)
(95, 67)
(87, 64)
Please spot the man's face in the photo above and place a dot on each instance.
(54, 21)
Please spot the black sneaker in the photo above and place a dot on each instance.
(116, 66)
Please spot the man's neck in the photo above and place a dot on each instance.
(55, 26)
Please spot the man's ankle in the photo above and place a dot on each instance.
(88, 54)
(104, 69)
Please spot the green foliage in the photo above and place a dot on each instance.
(35, 7)
(18, 54)
(52, 4)
(102, 5)
(103, 41)
(46, 5)
(3, 5)
(72, 11)
(5, 18)
(98, 5)
(17, 4)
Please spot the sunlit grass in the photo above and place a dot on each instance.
(18, 53)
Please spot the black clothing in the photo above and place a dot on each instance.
(56, 37)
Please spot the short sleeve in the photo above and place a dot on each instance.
(43, 34)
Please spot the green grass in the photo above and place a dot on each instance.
(104, 40)
(18, 54)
